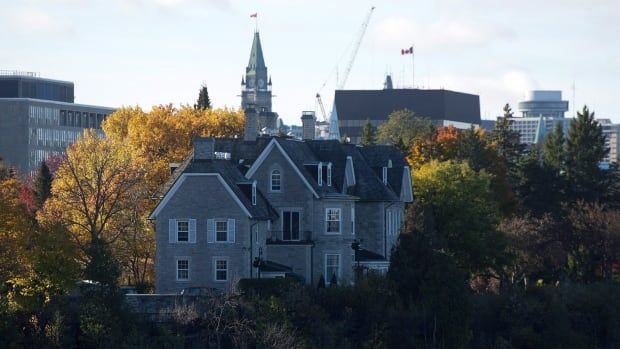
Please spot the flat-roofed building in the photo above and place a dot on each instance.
(38, 119)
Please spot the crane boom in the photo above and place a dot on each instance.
(320, 102)
(356, 48)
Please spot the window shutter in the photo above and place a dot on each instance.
(172, 230)
(192, 231)
(210, 231)
(231, 230)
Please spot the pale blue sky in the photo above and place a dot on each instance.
(147, 52)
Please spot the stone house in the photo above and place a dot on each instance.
(273, 207)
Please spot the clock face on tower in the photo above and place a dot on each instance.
(261, 83)
(251, 82)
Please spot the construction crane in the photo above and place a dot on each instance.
(333, 127)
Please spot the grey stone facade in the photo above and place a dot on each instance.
(303, 224)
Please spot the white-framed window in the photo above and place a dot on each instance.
(220, 269)
(254, 193)
(320, 173)
(332, 267)
(220, 230)
(182, 266)
(182, 231)
(291, 222)
(329, 174)
(352, 219)
(276, 180)
(332, 220)
(385, 175)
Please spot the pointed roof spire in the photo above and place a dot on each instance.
(256, 55)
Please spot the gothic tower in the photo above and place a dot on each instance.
(256, 85)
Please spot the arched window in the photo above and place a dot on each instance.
(276, 180)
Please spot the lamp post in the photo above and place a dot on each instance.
(356, 245)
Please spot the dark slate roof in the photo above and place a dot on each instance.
(368, 185)
(368, 256)
(307, 154)
(257, 61)
(269, 266)
(233, 177)
(432, 104)
(379, 156)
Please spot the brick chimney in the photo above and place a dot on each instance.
(204, 148)
(308, 122)
(251, 124)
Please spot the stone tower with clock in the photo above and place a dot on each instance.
(256, 84)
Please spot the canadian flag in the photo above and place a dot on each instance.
(254, 15)
(407, 51)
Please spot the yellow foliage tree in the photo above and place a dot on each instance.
(94, 190)
(14, 227)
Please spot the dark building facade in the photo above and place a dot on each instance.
(355, 107)
(38, 119)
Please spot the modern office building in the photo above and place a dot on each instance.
(534, 129)
(548, 104)
(38, 118)
(612, 139)
(354, 107)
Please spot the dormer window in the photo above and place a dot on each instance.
(276, 180)
(320, 173)
(254, 193)
(329, 174)
(389, 163)
(385, 175)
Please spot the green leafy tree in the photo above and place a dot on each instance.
(403, 127)
(42, 187)
(464, 212)
(585, 149)
(368, 134)
(539, 187)
(204, 102)
(508, 111)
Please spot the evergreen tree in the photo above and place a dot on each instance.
(42, 184)
(204, 102)
(585, 149)
(553, 151)
(102, 267)
(508, 111)
(368, 134)
(507, 141)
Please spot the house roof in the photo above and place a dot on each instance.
(232, 177)
(368, 256)
(268, 266)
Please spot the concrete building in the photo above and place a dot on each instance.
(38, 118)
(612, 139)
(548, 104)
(353, 108)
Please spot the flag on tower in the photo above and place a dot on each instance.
(407, 51)
(254, 15)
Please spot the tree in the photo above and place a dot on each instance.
(42, 184)
(585, 149)
(538, 188)
(14, 231)
(461, 204)
(94, 188)
(403, 127)
(204, 102)
(554, 151)
(507, 111)
(368, 134)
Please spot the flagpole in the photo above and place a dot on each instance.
(412, 68)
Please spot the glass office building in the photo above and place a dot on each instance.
(38, 119)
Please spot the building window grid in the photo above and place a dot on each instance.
(221, 231)
(182, 231)
(221, 270)
(332, 267)
(332, 220)
(276, 180)
(182, 269)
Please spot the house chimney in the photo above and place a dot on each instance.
(251, 124)
(308, 122)
(204, 148)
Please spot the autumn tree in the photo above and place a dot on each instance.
(94, 188)
(368, 134)
(14, 228)
(464, 213)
